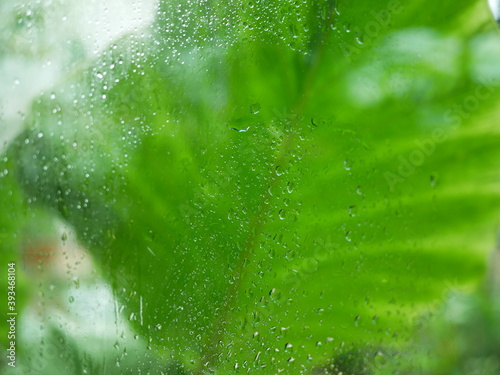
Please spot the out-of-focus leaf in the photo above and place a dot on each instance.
(270, 185)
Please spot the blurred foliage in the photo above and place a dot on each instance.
(272, 186)
(461, 338)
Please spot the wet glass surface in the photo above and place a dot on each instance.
(296, 187)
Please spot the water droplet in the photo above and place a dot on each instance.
(71, 299)
(158, 327)
(270, 190)
(241, 130)
(360, 39)
(434, 180)
(336, 9)
(255, 108)
(230, 214)
(275, 294)
(347, 165)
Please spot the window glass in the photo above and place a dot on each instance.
(296, 187)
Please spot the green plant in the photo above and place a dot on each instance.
(273, 186)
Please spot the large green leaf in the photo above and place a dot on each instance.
(268, 185)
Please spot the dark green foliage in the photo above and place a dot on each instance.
(263, 183)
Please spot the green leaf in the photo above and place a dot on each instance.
(270, 185)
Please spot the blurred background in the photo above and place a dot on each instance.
(298, 187)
